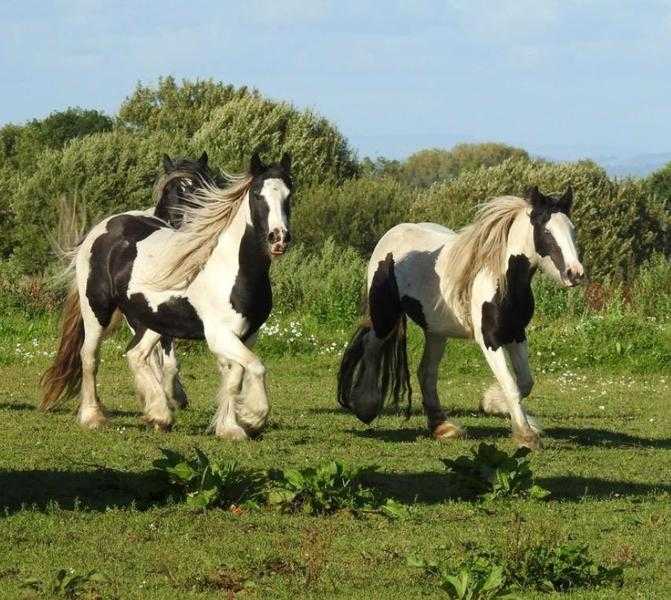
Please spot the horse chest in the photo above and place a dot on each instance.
(251, 294)
(505, 318)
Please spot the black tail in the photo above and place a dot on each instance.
(392, 373)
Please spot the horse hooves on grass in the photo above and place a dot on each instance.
(528, 439)
(233, 434)
(158, 425)
(448, 431)
(94, 423)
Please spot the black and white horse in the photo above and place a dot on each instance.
(472, 284)
(181, 178)
(207, 280)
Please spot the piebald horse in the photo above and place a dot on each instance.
(181, 178)
(207, 280)
(475, 283)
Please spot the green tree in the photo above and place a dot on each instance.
(428, 166)
(107, 172)
(20, 145)
(356, 213)
(177, 108)
(319, 151)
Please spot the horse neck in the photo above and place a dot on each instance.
(241, 231)
(520, 246)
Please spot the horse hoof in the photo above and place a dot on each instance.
(448, 431)
(94, 422)
(528, 439)
(232, 434)
(158, 424)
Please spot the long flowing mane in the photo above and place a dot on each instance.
(163, 181)
(481, 245)
(208, 211)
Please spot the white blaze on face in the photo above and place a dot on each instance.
(563, 232)
(275, 193)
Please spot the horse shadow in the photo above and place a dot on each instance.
(604, 438)
(435, 487)
(413, 434)
(17, 406)
(92, 491)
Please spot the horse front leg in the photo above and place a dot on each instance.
(519, 358)
(523, 433)
(243, 393)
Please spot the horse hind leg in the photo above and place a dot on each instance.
(439, 426)
(91, 413)
(165, 365)
(157, 411)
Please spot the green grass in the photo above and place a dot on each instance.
(90, 501)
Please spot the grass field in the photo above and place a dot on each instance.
(83, 500)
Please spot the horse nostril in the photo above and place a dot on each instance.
(272, 237)
(287, 237)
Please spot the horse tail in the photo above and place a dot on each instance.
(62, 380)
(351, 363)
(374, 366)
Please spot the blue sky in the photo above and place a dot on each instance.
(564, 79)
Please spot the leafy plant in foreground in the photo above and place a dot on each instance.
(205, 482)
(492, 474)
(65, 584)
(561, 568)
(475, 581)
(327, 488)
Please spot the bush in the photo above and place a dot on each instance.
(108, 172)
(428, 166)
(327, 284)
(20, 145)
(175, 108)
(620, 224)
(355, 214)
(234, 131)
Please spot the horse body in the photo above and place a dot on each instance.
(207, 280)
(475, 283)
(418, 252)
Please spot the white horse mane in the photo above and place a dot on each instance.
(481, 245)
(208, 211)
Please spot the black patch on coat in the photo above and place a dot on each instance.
(383, 299)
(252, 295)
(111, 265)
(504, 320)
(413, 308)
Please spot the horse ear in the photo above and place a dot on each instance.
(256, 166)
(203, 159)
(167, 163)
(535, 197)
(286, 162)
(566, 201)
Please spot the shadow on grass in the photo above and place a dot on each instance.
(413, 434)
(17, 406)
(604, 438)
(454, 413)
(83, 490)
(433, 487)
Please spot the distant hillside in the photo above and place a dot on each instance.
(636, 166)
